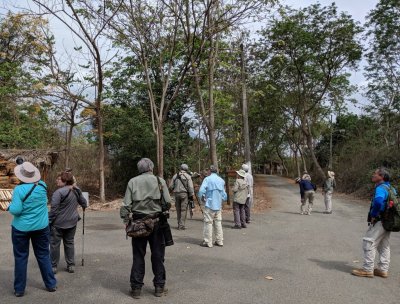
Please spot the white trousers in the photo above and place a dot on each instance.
(212, 219)
(376, 239)
(328, 201)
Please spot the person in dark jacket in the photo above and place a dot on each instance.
(307, 193)
(63, 219)
(30, 224)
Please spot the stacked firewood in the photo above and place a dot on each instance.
(5, 198)
(7, 178)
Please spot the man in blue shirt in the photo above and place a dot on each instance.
(376, 238)
(213, 189)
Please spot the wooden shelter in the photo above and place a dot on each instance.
(42, 159)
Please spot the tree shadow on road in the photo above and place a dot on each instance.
(333, 265)
(187, 239)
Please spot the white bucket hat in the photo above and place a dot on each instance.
(27, 173)
(241, 172)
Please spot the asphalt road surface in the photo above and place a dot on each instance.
(309, 259)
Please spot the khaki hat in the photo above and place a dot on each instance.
(27, 173)
(241, 172)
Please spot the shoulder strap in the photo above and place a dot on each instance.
(161, 189)
(178, 176)
(29, 193)
(65, 197)
(33, 188)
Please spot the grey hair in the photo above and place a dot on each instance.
(145, 165)
(382, 171)
(245, 167)
(213, 169)
(184, 167)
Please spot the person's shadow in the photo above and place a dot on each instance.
(333, 265)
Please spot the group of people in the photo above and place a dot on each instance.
(307, 192)
(143, 198)
(376, 239)
(32, 222)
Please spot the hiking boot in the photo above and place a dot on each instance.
(244, 226)
(51, 289)
(70, 269)
(160, 291)
(380, 273)
(136, 293)
(362, 273)
(181, 228)
(218, 244)
(54, 268)
(236, 227)
(19, 294)
(204, 244)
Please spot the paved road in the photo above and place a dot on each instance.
(309, 257)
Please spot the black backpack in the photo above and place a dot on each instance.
(390, 217)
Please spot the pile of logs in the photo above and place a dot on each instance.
(7, 181)
(7, 178)
(5, 198)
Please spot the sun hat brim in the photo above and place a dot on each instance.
(241, 173)
(18, 173)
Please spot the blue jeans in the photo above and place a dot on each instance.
(40, 243)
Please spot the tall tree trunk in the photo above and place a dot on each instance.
(211, 127)
(303, 159)
(296, 160)
(160, 148)
(244, 110)
(101, 153)
(310, 145)
(68, 148)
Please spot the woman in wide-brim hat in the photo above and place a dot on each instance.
(30, 224)
(240, 193)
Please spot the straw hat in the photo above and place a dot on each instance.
(241, 172)
(27, 173)
(331, 174)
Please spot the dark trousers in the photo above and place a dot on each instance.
(239, 215)
(157, 247)
(181, 204)
(67, 236)
(40, 244)
(247, 207)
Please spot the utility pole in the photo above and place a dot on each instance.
(244, 110)
(331, 147)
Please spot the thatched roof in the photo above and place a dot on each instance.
(40, 158)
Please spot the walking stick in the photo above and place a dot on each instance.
(83, 238)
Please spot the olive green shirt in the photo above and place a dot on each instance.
(143, 195)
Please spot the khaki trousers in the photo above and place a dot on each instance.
(376, 239)
(308, 196)
(212, 219)
(328, 201)
(181, 201)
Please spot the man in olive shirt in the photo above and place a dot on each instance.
(182, 186)
(142, 198)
